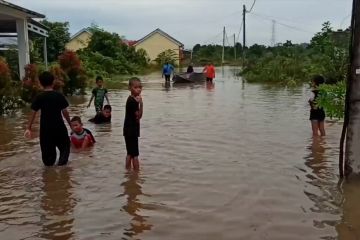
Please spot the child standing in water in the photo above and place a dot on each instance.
(99, 93)
(53, 132)
(133, 114)
(317, 115)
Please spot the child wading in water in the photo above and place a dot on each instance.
(80, 137)
(317, 115)
(102, 117)
(133, 114)
(53, 132)
(99, 93)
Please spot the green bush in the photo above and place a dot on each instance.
(332, 99)
(107, 55)
(9, 90)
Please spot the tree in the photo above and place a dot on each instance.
(76, 77)
(331, 57)
(58, 37)
(105, 43)
(108, 55)
(167, 56)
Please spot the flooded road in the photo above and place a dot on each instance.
(225, 161)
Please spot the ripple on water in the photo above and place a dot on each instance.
(227, 161)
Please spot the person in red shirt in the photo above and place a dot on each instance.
(80, 137)
(209, 71)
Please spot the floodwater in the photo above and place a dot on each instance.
(225, 161)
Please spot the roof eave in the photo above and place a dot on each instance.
(29, 13)
(161, 33)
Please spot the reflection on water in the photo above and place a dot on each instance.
(349, 226)
(133, 192)
(210, 86)
(58, 204)
(316, 159)
(167, 85)
(224, 160)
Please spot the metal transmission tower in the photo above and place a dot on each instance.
(273, 33)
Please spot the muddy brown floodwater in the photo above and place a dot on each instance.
(226, 161)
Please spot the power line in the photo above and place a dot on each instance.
(212, 38)
(278, 18)
(344, 19)
(227, 38)
(282, 24)
(252, 6)
(238, 35)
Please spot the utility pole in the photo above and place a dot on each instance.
(273, 36)
(45, 54)
(352, 105)
(223, 48)
(244, 34)
(234, 47)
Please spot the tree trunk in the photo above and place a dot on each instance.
(352, 150)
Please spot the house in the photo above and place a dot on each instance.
(79, 40)
(157, 42)
(129, 43)
(15, 24)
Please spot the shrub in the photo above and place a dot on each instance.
(9, 93)
(30, 83)
(75, 81)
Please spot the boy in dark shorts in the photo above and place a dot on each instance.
(102, 117)
(317, 115)
(99, 93)
(53, 132)
(133, 114)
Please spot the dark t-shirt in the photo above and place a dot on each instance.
(51, 104)
(190, 69)
(316, 113)
(99, 94)
(131, 123)
(100, 118)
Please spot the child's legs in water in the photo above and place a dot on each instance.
(48, 149)
(128, 162)
(132, 148)
(63, 144)
(318, 126)
(135, 163)
(321, 126)
(315, 127)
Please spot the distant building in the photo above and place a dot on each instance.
(157, 42)
(79, 40)
(341, 38)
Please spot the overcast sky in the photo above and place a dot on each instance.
(199, 21)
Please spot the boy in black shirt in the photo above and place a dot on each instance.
(133, 114)
(102, 117)
(53, 132)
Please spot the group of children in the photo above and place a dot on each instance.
(53, 132)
